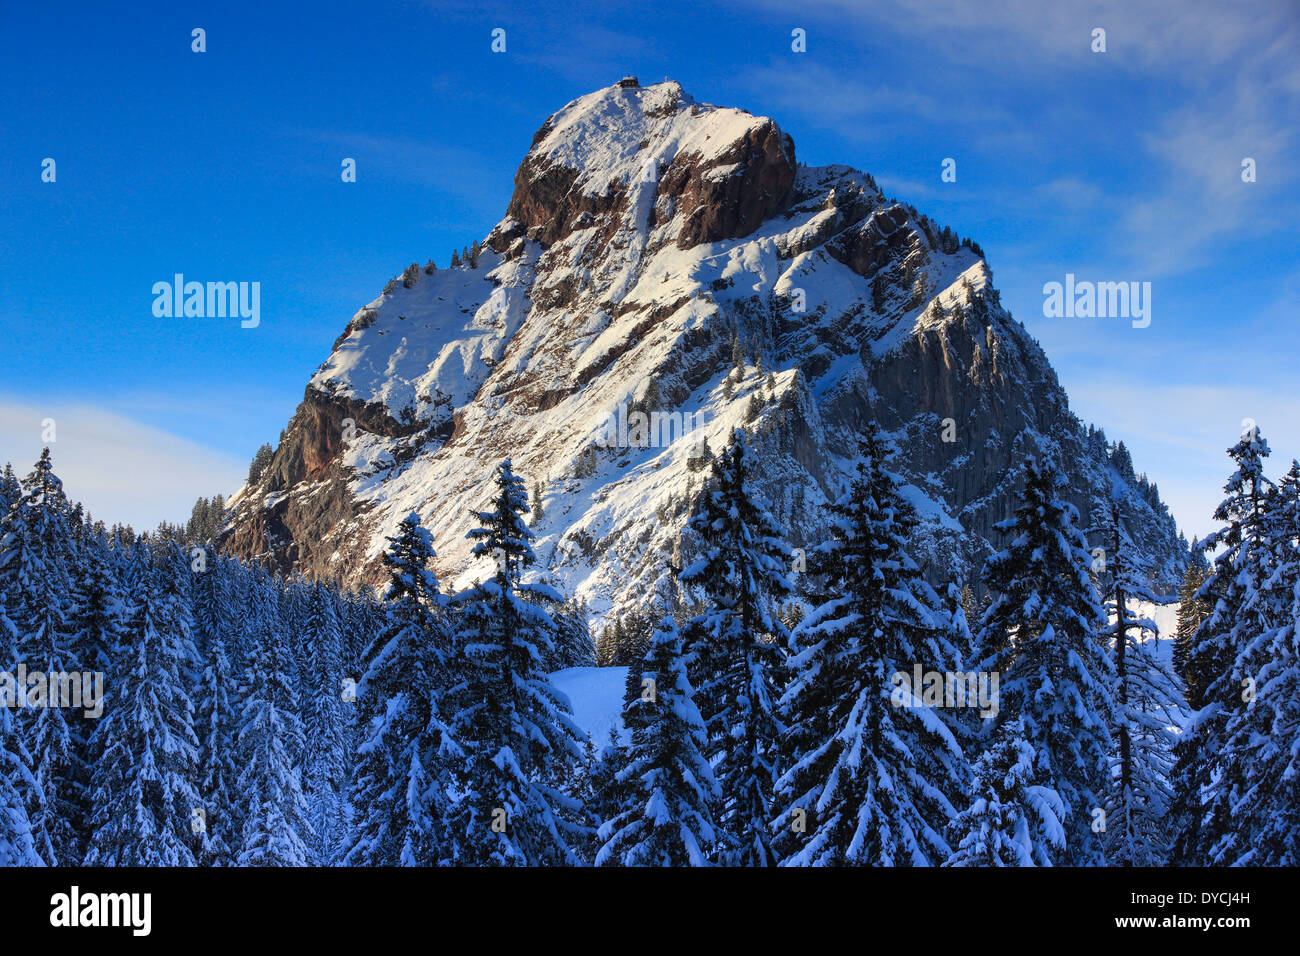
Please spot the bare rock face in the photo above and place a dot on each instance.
(728, 195)
(668, 256)
(719, 189)
(548, 205)
(881, 239)
(287, 529)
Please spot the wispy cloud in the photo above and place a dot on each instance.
(120, 469)
(1157, 34)
(1183, 431)
(1227, 77)
(863, 107)
(1201, 197)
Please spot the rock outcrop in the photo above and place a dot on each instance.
(668, 256)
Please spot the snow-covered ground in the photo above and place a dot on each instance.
(1166, 619)
(596, 693)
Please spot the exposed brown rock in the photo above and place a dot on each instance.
(308, 487)
(548, 205)
(879, 240)
(734, 205)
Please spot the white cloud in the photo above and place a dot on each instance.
(1179, 435)
(1228, 78)
(858, 109)
(1156, 34)
(906, 189)
(120, 469)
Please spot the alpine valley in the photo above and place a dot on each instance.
(661, 255)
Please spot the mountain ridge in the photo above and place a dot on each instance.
(670, 255)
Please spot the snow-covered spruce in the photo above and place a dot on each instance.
(517, 729)
(155, 779)
(1207, 778)
(666, 817)
(326, 759)
(1192, 611)
(1239, 763)
(1267, 741)
(1041, 634)
(275, 826)
(17, 848)
(143, 791)
(1146, 694)
(864, 780)
(736, 649)
(997, 828)
(216, 720)
(36, 557)
(408, 758)
(152, 612)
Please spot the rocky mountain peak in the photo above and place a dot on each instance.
(667, 257)
(652, 152)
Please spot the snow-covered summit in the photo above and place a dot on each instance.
(665, 255)
(620, 135)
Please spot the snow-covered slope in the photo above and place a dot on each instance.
(651, 239)
(596, 695)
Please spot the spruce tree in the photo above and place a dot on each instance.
(99, 622)
(1191, 612)
(1009, 812)
(408, 753)
(1269, 811)
(1205, 786)
(538, 510)
(143, 791)
(365, 620)
(1041, 634)
(1252, 807)
(573, 644)
(35, 564)
(590, 787)
(292, 599)
(666, 818)
(869, 768)
(216, 724)
(10, 490)
(736, 650)
(275, 826)
(1137, 831)
(517, 728)
(216, 624)
(96, 620)
(325, 775)
(737, 356)
(17, 848)
(963, 611)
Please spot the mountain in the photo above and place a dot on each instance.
(654, 245)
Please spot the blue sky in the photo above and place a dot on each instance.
(224, 165)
